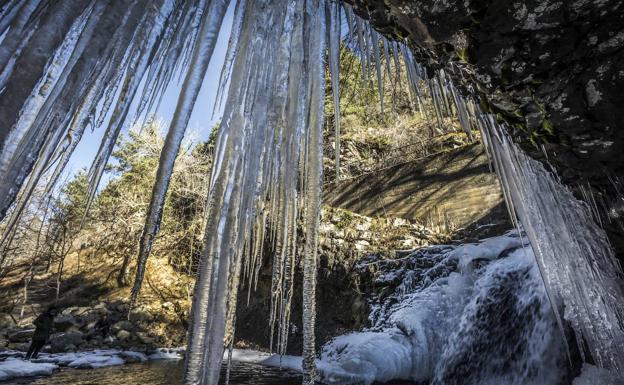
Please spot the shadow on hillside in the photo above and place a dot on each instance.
(458, 181)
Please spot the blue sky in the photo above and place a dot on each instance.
(201, 121)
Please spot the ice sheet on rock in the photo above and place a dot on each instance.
(93, 358)
(592, 375)
(94, 361)
(16, 368)
(167, 354)
(12, 364)
(284, 362)
(250, 356)
(365, 357)
(488, 249)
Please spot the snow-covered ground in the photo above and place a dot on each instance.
(15, 368)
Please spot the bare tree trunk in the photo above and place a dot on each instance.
(122, 278)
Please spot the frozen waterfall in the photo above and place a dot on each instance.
(469, 314)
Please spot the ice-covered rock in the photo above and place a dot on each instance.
(167, 354)
(592, 375)
(12, 364)
(94, 361)
(17, 368)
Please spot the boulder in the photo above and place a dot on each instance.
(397, 222)
(70, 348)
(60, 341)
(361, 245)
(101, 307)
(21, 346)
(123, 335)
(131, 357)
(20, 335)
(364, 226)
(145, 338)
(122, 325)
(63, 322)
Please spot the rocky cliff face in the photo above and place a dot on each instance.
(554, 70)
(342, 290)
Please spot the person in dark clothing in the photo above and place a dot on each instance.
(104, 325)
(43, 327)
(100, 329)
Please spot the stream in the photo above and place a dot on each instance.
(164, 372)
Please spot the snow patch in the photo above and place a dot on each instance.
(15, 368)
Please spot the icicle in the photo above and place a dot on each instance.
(386, 52)
(397, 62)
(202, 53)
(18, 135)
(334, 67)
(15, 19)
(374, 39)
(364, 57)
(239, 11)
(138, 64)
(201, 331)
(313, 189)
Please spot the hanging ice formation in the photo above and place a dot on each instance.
(70, 64)
(576, 261)
(66, 61)
(200, 57)
(272, 125)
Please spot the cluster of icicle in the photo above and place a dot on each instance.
(580, 272)
(106, 58)
(73, 64)
(578, 267)
(267, 169)
(582, 277)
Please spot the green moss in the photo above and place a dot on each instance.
(345, 220)
(463, 54)
(548, 127)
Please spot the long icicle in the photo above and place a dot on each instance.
(334, 70)
(314, 20)
(202, 52)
